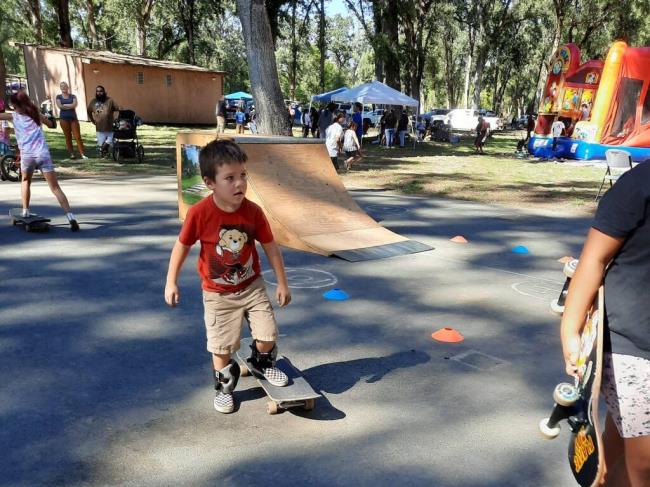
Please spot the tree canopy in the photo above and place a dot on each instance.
(483, 53)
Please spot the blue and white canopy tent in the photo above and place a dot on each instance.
(377, 93)
(327, 97)
(240, 95)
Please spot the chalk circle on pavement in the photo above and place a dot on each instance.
(303, 277)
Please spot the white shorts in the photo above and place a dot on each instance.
(626, 389)
(104, 137)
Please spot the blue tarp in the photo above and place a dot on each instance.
(240, 95)
(327, 97)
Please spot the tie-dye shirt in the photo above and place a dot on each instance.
(30, 137)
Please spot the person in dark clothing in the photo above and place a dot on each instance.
(402, 127)
(616, 254)
(391, 123)
(482, 131)
(314, 122)
(530, 126)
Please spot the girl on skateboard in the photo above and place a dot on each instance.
(34, 152)
(617, 252)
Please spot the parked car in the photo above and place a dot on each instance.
(233, 105)
(465, 120)
(374, 116)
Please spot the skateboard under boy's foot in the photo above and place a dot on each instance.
(557, 305)
(578, 403)
(31, 223)
(297, 393)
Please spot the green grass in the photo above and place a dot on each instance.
(431, 168)
(455, 171)
(160, 153)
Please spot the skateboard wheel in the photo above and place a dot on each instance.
(28, 227)
(570, 268)
(271, 407)
(546, 431)
(309, 404)
(244, 372)
(565, 394)
(14, 222)
(556, 308)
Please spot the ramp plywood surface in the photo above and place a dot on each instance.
(295, 183)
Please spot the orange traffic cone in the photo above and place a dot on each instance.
(458, 239)
(448, 335)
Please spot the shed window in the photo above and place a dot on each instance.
(140, 78)
(168, 80)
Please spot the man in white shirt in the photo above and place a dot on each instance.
(333, 137)
(556, 130)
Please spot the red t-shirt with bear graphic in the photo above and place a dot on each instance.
(228, 260)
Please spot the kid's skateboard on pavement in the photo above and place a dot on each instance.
(557, 305)
(578, 403)
(298, 393)
(31, 223)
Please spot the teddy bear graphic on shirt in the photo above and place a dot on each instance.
(234, 257)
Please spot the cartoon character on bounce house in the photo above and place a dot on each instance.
(233, 262)
(603, 105)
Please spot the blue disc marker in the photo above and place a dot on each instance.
(520, 249)
(336, 294)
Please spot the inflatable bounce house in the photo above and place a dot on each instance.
(601, 105)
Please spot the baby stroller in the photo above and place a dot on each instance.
(125, 136)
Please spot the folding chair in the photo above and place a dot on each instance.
(618, 162)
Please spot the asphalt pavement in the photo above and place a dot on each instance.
(103, 385)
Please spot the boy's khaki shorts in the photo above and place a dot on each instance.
(224, 316)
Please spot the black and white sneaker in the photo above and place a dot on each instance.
(74, 226)
(224, 403)
(275, 376)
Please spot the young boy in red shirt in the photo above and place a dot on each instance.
(228, 224)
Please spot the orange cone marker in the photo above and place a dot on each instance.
(459, 239)
(447, 335)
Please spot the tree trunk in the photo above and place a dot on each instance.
(92, 24)
(293, 66)
(390, 28)
(141, 27)
(36, 19)
(3, 72)
(63, 13)
(263, 72)
(379, 61)
(468, 70)
(321, 45)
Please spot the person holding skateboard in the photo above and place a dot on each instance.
(227, 225)
(617, 251)
(34, 152)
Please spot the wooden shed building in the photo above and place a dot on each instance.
(158, 91)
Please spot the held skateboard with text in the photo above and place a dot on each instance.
(578, 403)
(31, 223)
(298, 393)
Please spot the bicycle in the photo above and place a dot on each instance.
(10, 165)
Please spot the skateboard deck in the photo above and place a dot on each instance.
(557, 305)
(31, 223)
(578, 403)
(298, 393)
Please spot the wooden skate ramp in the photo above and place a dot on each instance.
(295, 183)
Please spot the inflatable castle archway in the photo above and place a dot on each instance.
(602, 105)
